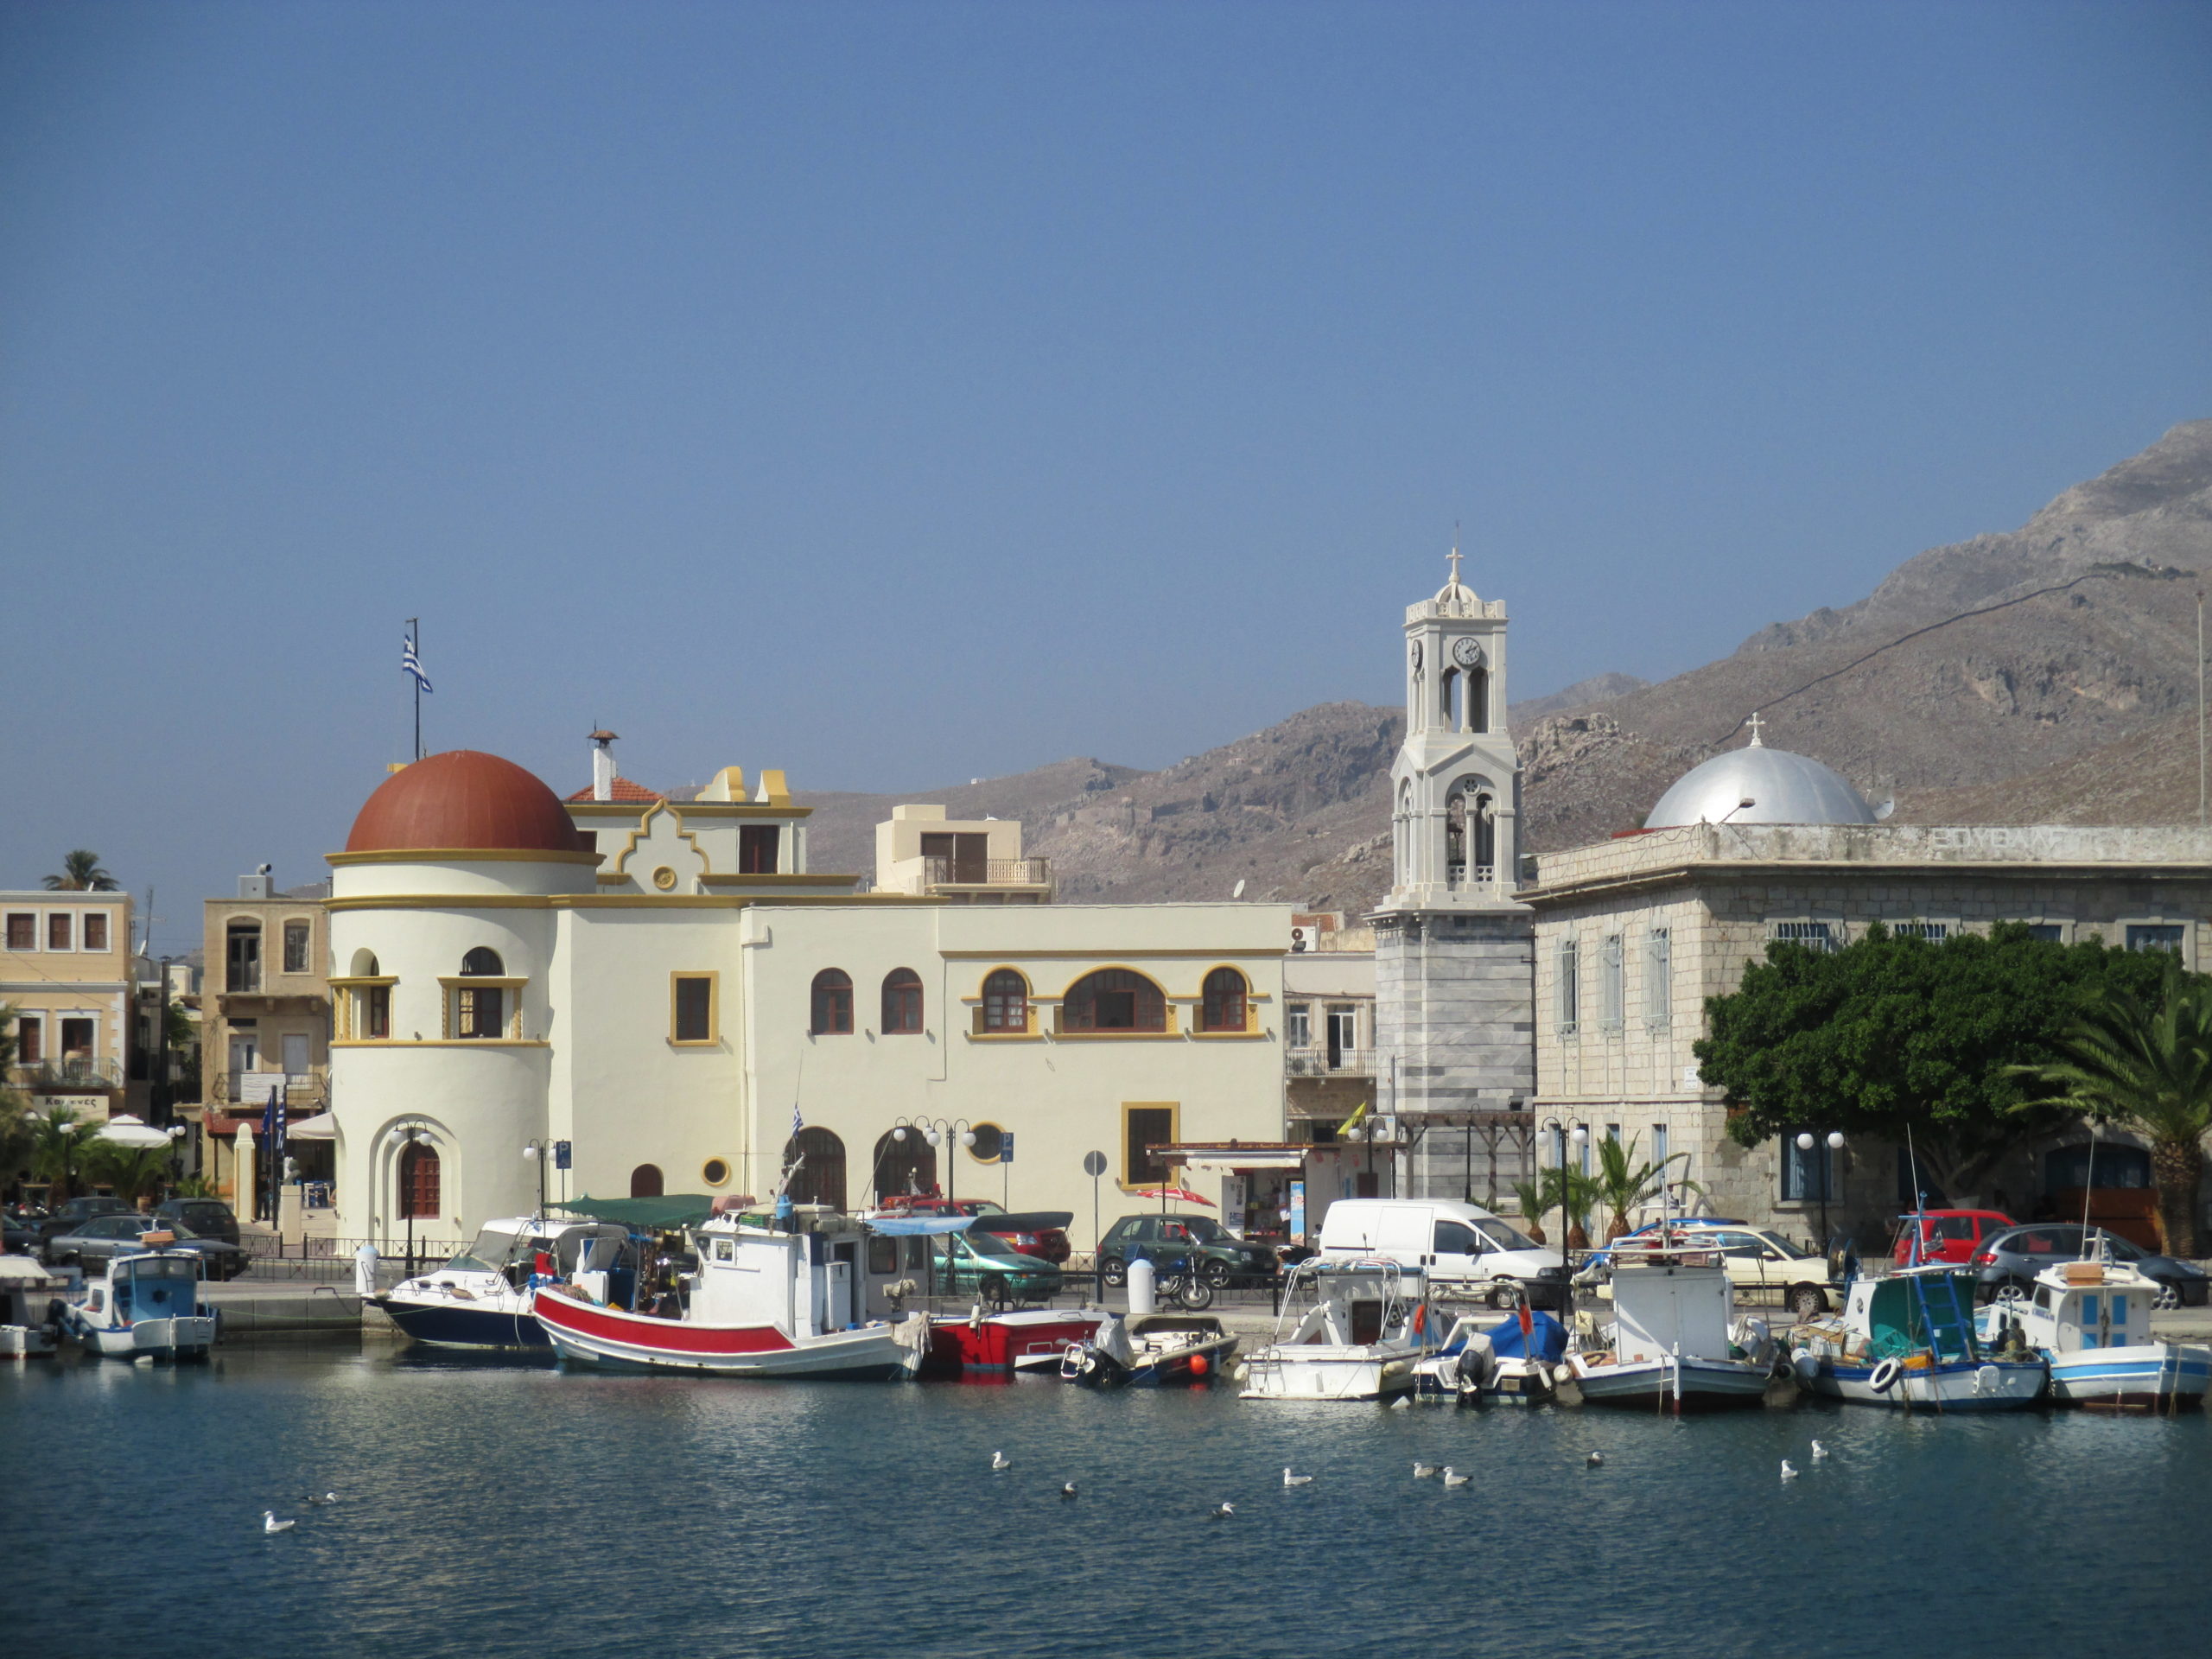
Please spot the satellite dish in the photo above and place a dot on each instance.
(1237, 892)
(1888, 804)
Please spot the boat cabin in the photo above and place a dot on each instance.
(1353, 1304)
(2086, 1304)
(1667, 1308)
(817, 1270)
(1919, 1310)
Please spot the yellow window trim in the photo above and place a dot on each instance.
(439, 1042)
(1175, 1108)
(714, 1036)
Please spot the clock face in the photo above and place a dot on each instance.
(1412, 654)
(1466, 652)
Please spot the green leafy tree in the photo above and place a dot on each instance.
(1890, 1035)
(58, 1146)
(135, 1172)
(81, 873)
(2146, 1061)
(1622, 1185)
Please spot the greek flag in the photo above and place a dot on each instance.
(409, 663)
(797, 1122)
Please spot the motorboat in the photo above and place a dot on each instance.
(1465, 1368)
(2090, 1320)
(480, 1298)
(1673, 1344)
(1351, 1328)
(1151, 1350)
(146, 1304)
(1907, 1338)
(1007, 1342)
(28, 1294)
(803, 1291)
(1527, 1356)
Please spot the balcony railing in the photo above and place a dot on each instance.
(1316, 1062)
(63, 1074)
(987, 872)
(301, 1088)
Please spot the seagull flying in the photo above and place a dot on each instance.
(1789, 1472)
(1593, 1461)
(1221, 1511)
(1818, 1451)
(1068, 1490)
(1452, 1479)
(999, 1460)
(1289, 1479)
(270, 1523)
(1423, 1471)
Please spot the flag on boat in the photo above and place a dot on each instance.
(409, 663)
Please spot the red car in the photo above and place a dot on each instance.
(1948, 1235)
(1041, 1233)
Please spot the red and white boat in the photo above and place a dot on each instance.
(800, 1295)
(1024, 1340)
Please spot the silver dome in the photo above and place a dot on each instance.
(1782, 788)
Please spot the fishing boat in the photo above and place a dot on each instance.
(1149, 1351)
(800, 1292)
(28, 1293)
(480, 1298)
(1351, 1328)
(1906, 1339)
(144, 1304)
(1671, 1345)
(1019, 1339)
(2091, 1322)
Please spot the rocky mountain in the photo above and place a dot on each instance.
(2076, 705)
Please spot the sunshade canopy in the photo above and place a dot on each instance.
(678, 1210)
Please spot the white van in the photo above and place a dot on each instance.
(1461, 1245)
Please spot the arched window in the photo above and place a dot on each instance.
(364, 964)
(821, 1178)
(1006, 1002)
(833, 1004)
(482, 962)
(1402, 830)
(904, 1163)
(645, 1181)
(1478, 699)
(1469, 827)
(479, 1010)
(1224, 1005)
(902, 1003)
(1114, 999)
(1447, 699)
(418, 1182)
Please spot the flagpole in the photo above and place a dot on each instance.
(415, 639)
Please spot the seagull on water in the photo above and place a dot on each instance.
(1423, 1471)
(1818, 1451)
(270, 1523)
(1594, 1461)
(1221, 1511)
(1068, 1490)
(1452, 1479)
(1289, 1479)
(1788, 1470)
(1000, 1460)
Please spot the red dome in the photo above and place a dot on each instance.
(468, 801)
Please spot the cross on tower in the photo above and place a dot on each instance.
(1755, 722)
(1454, 556)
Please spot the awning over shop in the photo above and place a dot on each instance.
(321, 1127)
(1215, 1154)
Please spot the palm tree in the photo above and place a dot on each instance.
(1569, 1187)
(135, 1172)
(1531, 1194)
(57, 1148)
(81, 873)
(2151, 1068)
(1622, 1185)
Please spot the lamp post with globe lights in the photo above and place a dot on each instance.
(538, 1152)
(945, 1134)
(406, 1135)
(1806, 1142)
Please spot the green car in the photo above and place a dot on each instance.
(981, 1264)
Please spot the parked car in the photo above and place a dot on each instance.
(95, 1243)
(76, 1212)
(2012, 1259)
(20, 1235)
(981, 1264)
(207, 1217)
(1460, 1245)
(1218, 1255)
(1757, 1259)
(1948, 1235)
(1041, 1233)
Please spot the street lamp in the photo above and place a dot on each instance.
(538, 1152)
(408, 1134)
(940, 1131)
(1806, 1143)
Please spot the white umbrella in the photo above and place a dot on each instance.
(321, 1127)
(128, 1131)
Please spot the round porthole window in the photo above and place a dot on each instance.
(989, 1139)
(715, 1172)
(664, 879)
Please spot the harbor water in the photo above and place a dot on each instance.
(494, 1509)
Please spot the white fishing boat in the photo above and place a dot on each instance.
(146, 1304)
(1674, 1345)
(2091, 1322)
(1907, 1338)
(1152, 1350)
(1350, 1329)
(481, 1299)
(28, 1293)
(805, 1291)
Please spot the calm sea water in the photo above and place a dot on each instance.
(495, 1510)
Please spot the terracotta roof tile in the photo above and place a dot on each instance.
(624, 791)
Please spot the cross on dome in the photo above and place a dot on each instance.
(1454, 590)
(1755, 722)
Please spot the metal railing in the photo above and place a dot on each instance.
(1027, 1029)
(938, 872)
(307, 1088)
(49, 1074)
(1316, 1061)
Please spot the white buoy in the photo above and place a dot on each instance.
(1141, 1300)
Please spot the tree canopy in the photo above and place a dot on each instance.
(81, 873)
(1891, 1032)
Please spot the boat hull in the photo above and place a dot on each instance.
(1001, 1343)
(186, 1337)
(1314, 1371)
(445, 1323)
(1197, 1363)
(1672, 1386)
(2155, 1376)
(585, 1333)
(1954, 1385)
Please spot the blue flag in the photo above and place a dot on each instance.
(409, 663)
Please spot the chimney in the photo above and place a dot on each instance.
(602, 766)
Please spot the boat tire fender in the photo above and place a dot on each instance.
(1883, 1377)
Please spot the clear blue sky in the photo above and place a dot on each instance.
(897, 394)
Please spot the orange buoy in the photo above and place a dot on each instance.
(1421, 1318)
(1198, 1365)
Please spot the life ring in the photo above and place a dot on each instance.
(1421, 1318)
(1883, 1376)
